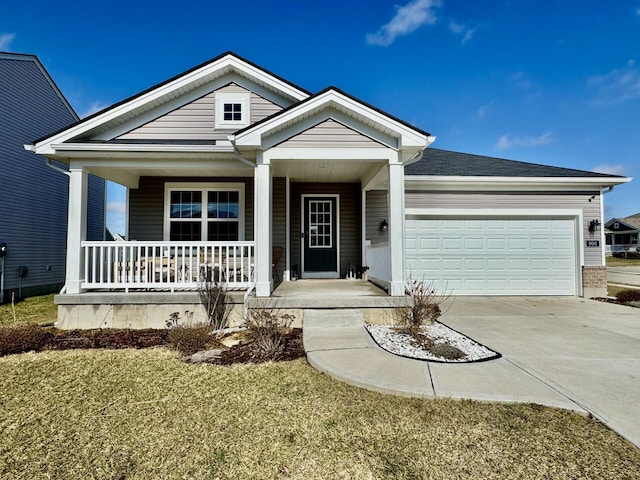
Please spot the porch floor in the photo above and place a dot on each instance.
(328, 294)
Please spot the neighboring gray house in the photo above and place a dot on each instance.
(623, 234)
(33, 196)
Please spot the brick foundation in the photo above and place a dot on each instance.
(594, 277)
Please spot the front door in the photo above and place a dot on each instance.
(320, 236)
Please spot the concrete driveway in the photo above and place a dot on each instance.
(588, 351)
(624, 276)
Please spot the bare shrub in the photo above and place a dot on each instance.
(425, 309)
(215, 300)
(189, 339)
(266, 330)
(448, 352)
(628, 295)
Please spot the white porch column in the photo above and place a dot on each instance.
(76, 229)
(262, 206)
(396, 228)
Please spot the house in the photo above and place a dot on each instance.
(227, 161)
(33, 193)
(622, 234)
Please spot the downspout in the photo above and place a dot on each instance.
(56, 168)
(252, 284)
(68, 174)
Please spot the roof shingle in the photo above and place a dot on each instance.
(447, 163)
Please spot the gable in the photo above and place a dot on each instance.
(622, 225)
(170, 95)
(196, 120)
(390, 133)
(330, 134)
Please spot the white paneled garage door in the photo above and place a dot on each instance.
(493, 256)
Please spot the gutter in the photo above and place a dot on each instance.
(32, 148)
(56, 168)
(237, 155)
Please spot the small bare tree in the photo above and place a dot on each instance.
(425, 309)
(267, 329)
(215, 300)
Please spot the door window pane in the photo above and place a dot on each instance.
(320, 223)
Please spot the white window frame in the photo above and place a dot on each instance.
(205, 188)
(243, 98)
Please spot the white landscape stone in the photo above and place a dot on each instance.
(400, 344)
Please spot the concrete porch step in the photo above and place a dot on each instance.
(331, 318)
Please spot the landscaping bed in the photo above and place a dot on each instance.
(187, 340)
(436, 342)
(629, 297)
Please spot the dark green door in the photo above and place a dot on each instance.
(320, 236)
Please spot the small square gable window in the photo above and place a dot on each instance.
(232, 110)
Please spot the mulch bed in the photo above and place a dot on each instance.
(108, 338)
(249, 353)
(35, 338)
(617, 302)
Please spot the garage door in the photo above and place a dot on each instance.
(493, 256)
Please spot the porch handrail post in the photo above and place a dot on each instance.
(262, 231)
(396, 228)
(76, 228)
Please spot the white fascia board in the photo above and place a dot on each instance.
(226, 147)
(330, 99)
(436, 182)
(263, 77)
(222, 65)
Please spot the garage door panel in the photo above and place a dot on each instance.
(494, 256)
(429, 243)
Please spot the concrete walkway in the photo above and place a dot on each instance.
(563, 352)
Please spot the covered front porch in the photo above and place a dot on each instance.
(321, 182)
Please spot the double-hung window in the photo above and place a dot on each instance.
(204, 212)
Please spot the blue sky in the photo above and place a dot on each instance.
(556, 83)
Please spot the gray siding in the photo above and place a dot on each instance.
(96, 198)
(146, 205)
(279, 216)
(350, 223)
(34, 197)
(522, 200)
(196, 120)
(377, 211)
(331, 133)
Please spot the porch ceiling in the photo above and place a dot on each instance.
(325, 170)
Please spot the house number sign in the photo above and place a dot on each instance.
(593, 243)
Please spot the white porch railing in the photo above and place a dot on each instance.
(378, 259)
(622, 248)
(166, 265)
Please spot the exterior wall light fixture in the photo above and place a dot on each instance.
(384, 226)
(594, 225)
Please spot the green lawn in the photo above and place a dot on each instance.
(622, 262)
(141, 414)
(40, 310)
